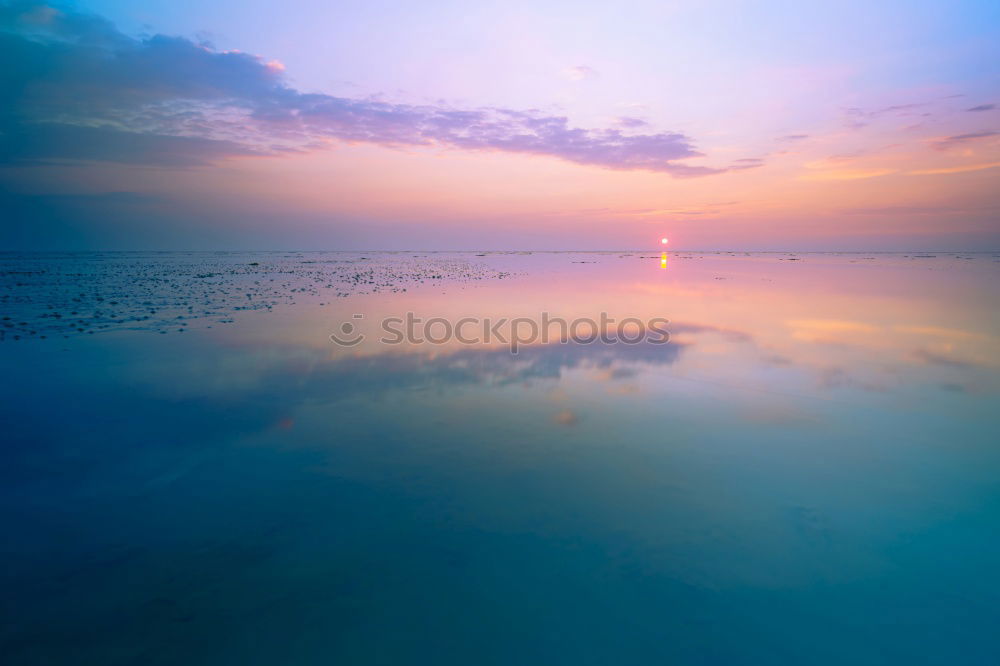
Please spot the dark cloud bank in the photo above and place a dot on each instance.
(75, 88)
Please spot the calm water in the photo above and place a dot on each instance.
(194, 473)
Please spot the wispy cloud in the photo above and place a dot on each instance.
(858, 118)
(630, 122)
(846, 174)
(955, 169)
(746, 163)
(580, 73)
(962, 139)
(75, 88)
(934, 358)
(905, 210)
(983, 107)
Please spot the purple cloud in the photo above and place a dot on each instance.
(746, 163)
(630, 122)
(79, 89)
(858, 118)
(983, 107)
(960, 139)
(904, 210)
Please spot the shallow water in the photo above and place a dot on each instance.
(808, 472)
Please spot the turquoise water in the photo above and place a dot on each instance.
(808, 472)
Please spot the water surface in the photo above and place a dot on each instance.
(193, 473)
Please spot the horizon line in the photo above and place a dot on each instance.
(550, 251)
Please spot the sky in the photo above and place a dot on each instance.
(307, 124)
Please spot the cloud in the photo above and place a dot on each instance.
(835, 332)
(846, 174)
(75, 88)
(933, 358)
(580, 73)
(792, 137)
(730, 334)
(630, 122)
(983, 107)
(46, 141)
(955, 169)
(566, 417)
(962, 139)
(118, 198)
(904, 210)
(746, 163)
(858, 118)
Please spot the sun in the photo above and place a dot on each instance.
(664, 240)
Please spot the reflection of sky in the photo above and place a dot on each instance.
(798, 461)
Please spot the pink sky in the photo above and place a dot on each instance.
(720, 125)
